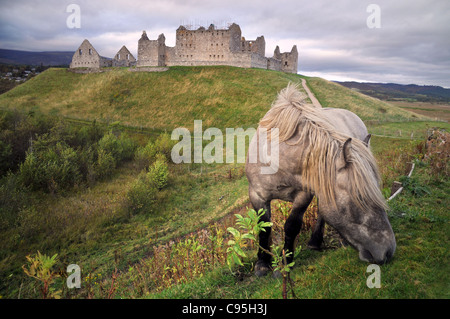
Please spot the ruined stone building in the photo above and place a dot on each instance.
(123, 58)
(214, 47)
(196, 47)
(87, 57)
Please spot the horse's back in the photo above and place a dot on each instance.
(346, 122)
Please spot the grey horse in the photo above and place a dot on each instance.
(323, 153)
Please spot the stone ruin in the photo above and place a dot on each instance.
(193, 48)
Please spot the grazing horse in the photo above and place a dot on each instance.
(322, 152)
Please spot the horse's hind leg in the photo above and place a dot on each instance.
(293, 224)
(317, 234)
(262, 266)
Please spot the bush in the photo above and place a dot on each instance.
(121, 148)
(142, 194)
(164, 145)
(50, 169)
(128, 146)
(158, 173)
(105, 164)
(144, 156)
(17, 131)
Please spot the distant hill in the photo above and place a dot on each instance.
(49, 58)
(391, 91)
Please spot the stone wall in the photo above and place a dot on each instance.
(273, 64)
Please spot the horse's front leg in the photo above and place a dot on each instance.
(293, 224)
(262, 266)
(317, 234)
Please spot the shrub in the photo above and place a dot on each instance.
(109, 143)
(86, 162)
(50, 169)
(105, 164)
(144, 156)
(121, 148)
(164, 145)
(87, 135)
(128, 147)
(142, 194)
(158, 173)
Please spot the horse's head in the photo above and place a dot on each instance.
(359, 211)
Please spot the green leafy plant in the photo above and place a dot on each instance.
(280, 265)
(249, 229)
(40, 268)
(412, 185)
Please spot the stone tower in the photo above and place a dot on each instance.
(289, 61)
(151, 52)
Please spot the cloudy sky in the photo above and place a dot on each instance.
(337, 40)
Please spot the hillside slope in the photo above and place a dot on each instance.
(220, 96)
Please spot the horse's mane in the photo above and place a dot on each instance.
(298, 122)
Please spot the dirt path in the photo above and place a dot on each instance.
(311, 96)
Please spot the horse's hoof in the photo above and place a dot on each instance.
(313, 246)
(261, 269)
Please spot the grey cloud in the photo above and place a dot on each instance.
(412, 44)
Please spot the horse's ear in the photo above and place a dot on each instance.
(346, 150)
(345, 156)
(367, 139)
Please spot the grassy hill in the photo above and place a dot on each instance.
(177, 249)
(220, 96)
